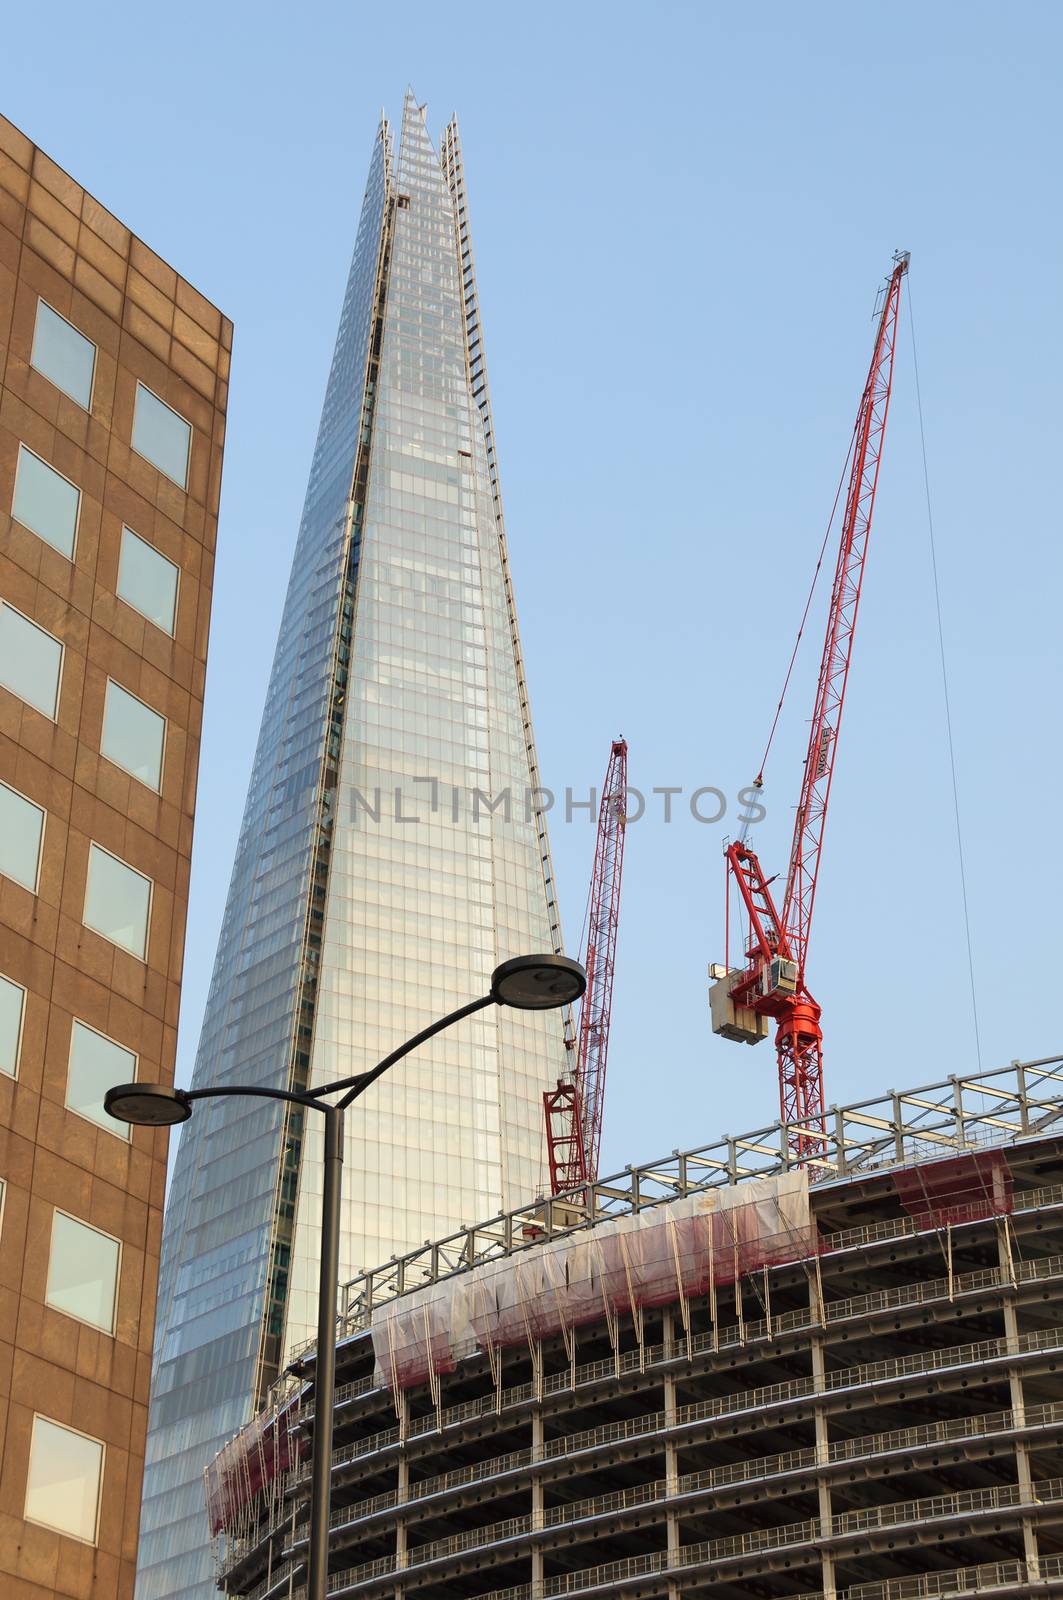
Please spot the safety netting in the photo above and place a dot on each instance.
(250, 1471)
(963, 1188)
(664, 1254)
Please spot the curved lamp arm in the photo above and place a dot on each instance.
(361, 1081)
(530, 983)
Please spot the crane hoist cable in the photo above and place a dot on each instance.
(945, 686)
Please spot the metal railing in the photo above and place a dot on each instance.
(1018, 1101)
(723, 1405)
(1033, 1270)
(935, 1507)
(932, 1508)
(958, 1582)
(733, 1474)
(730, 1475)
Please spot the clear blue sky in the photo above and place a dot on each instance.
(680, 214)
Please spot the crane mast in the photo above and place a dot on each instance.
(773, 982)
(574, 1109)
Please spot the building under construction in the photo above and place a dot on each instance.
(723, 1374)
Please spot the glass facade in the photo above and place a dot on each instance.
(396, 694)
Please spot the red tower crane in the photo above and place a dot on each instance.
(574, 1108)
(772, 983)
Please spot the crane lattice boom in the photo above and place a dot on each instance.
(574, 1109)
(773, 982)
(841, 625)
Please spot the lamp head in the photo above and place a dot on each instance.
(147, 1105)
(538, 983)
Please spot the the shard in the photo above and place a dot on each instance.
(393, 851)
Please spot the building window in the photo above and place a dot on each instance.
(63, 354)
(12, 1007)
(117, 902)
(45, 502)
(147, 581)
(161, 436)
(83, 1269)
(63, 1487)
(96, 1065)
(133, 735)
(30, 661)
(21, 832)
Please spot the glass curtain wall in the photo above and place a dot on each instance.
(390, 857)
(220, 1215)
(436, 873)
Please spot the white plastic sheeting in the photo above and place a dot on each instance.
(656, 1257)
(251, 1466)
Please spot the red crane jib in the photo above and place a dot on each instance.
(773, 982)
(574, 1108)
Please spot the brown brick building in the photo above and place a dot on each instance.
(113, 383)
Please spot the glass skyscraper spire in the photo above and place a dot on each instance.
(392, 853)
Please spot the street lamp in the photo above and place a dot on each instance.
(526, 983)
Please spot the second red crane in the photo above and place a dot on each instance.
(574, 1108)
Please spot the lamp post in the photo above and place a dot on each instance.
(526, 983)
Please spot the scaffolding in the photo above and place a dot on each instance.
(895, 1129)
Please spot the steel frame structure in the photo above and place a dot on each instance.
(717, 1447)
(968, 1112)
